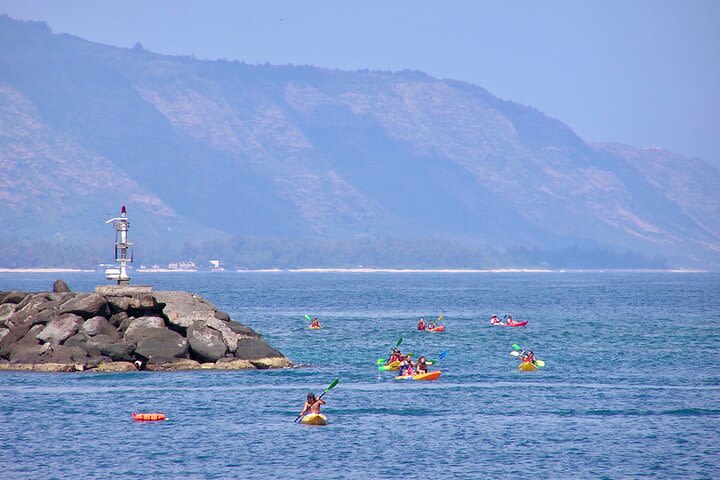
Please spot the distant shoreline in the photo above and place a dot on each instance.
(373, 270)
(43, 270)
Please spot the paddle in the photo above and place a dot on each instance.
(440, 357)
(537, 361)
(308, 317)
(332, 385)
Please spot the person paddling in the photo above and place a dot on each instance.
(421, 366)
(421, 325)
(495, 320)
(312, 404)
(395, 356)
(315, 323)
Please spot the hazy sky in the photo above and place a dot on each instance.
(638, 72)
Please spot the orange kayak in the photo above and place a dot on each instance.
(148, 417)
(440, 328)
(313, 328)
(421, 376)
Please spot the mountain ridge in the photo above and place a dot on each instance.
(206, 151)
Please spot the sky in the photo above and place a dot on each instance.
(644, 73)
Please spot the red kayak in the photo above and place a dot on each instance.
(516, 324)
(439, 328)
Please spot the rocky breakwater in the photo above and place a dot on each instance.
(120, 328)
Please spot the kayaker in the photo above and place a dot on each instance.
(530, 357)
(395, 356)
(494, 320)
(406, 368)
(421, 366)
(315, 323)
(421, 324)
(312, 404)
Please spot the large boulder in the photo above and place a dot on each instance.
(161, 343)
(80, 339)
(59, 286)
(118, 304)
(219, 314)
(60, 329)
(118, 318)
(182, 309)
(241, 329)
(254, 348)
(97, 326)
(104, 345)
(206, 344)
(139, 326)
(14, 296)
(87, 305)
(229, 337)
(34, 298)
(47, 353)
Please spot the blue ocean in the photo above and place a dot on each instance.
(630, 389)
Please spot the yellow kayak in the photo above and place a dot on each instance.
(390, 366)
(421, 376)
(314, 419)
(527, 366)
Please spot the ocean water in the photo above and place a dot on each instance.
(630, 389)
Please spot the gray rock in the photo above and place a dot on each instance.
(206, 344)
(78, 340)
(47, 305)
(110, 347)
(162, 343)
(254, 348)
(229, 337)
(93, 362)
(59, 286)
(117, 319)
(182, 309)
(222, 316)
(242, 330)
(99, 325)
(6, 311)
(61, 297)
(87, 305)
(125, 324)
(28, 350)
(140, 324)
(3, 333)
(118, 304)
(139, 333)
(14, 296)
(60, 329)
(36, 298)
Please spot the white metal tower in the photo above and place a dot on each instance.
(122, 248)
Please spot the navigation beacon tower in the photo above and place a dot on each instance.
(122, 248)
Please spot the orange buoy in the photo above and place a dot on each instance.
(148, 417)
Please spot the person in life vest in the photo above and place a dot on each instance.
(315, 323)
(421, 324)
(510, 320)
(395, 356)
(312, 404)
(495, 320)
(523, 356)
(406, 368)
(530, 357)
(421, 366)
